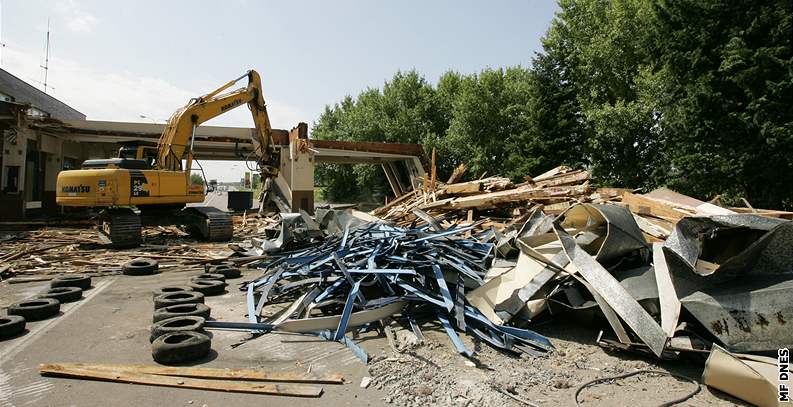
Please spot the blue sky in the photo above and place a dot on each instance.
(116, 60)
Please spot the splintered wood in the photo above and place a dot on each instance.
(58, 250)
(496, 199)
(498, 203)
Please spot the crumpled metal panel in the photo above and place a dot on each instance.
(750, 315)
(619, 233)
(745, 296)
(604, 284)
(741, 245)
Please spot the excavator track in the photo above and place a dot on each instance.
(120, 228)
(212, 224)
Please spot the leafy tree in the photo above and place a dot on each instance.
(690, 94)
(727, 91)
(196, 179)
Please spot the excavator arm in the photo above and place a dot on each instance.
(176, 142)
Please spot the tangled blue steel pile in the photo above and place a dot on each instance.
(341, 266)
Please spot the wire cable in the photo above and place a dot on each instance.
(626, 375)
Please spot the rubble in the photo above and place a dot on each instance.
(659, 274)
(369, 267)
(508, 255)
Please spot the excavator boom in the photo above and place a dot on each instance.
(176, 142)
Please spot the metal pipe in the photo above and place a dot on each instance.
(192, 138)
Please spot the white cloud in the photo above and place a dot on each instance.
(83, 23)
(124, 96)
(76, 18)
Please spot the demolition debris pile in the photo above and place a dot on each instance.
(56, 249)
(549, 247)
(368, 271)
(660, 273)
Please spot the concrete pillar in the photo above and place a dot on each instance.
(301, 169)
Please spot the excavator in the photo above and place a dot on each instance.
(150, 185)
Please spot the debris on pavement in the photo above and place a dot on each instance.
(485, 262)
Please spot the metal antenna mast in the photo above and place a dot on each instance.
(46, 65)
(2, 44)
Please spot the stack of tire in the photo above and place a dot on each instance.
(177, 335)
(62, 289)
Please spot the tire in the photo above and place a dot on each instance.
(11, 326)
(140, 267)
(208, 287)
(36, 309)
(215, 268)
(184, 310)
(79, 281)
(64, 294)
(178, 298)
(229, 272)
(176, 324)
(180, 347)
(209, 276)
(171, 289)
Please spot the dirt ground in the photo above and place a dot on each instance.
(432, 373)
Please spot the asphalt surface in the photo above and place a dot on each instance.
(111, 325)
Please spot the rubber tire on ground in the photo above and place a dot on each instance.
(176, 324)
(11, 325)
(209, 276)
(229, 273)
(36, 309)
(208, 287)
(180, 347)
(184, 310)
(64, 294)
(171, 289)
(140, 267)
(211, 268)
(178, 298)
(79, 281)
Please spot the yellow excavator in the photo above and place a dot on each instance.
(155, 180)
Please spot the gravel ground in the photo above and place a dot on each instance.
(431, 373)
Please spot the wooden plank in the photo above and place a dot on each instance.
(457, 174)
(298, 390)
(552, 173)
(575, 177)
(463, 188)
(516, 195)
(764, 212)
(433, 171)
(210, 373)
(648, 206)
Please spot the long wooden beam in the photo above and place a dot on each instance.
(212, 373)
(124, 376)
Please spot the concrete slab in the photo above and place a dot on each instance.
(111, 325)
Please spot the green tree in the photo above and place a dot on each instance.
(727, 91)
(603, 55)
(196, 179)
(404, 111)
